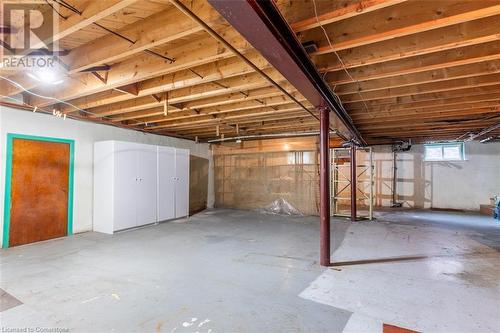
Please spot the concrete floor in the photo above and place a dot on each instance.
(238, 271)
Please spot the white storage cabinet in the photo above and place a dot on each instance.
(137, 184)
(173, 183)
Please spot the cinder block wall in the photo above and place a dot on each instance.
(251, 175)
(253, 181)
(448, 185)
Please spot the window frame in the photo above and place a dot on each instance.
(461, 145)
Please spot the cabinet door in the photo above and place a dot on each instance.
(146, 194)
(125, 185)
(166, 183)
(182, 182)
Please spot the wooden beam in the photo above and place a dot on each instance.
(443, 114)
(263, 110)
(433, 87)
(414, 117)
(93, 12)
(238, 83)
(193, 107)
(226, 68)
(428, 100)
(132, 89)
(154, 115)
(451, 37)
(150, 32)
(457, 109)
(424, 20)
(343, 13)
(174, 122)
(463, 56)
(191, 54)
(457, 105)
(264, 92)
(267, 118)
(437, 75)
(205, 133)
(195, 121)
(430, 127)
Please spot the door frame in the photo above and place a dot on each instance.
(8, 180)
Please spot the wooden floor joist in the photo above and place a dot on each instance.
(427, 70)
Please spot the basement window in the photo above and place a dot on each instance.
(444, 152)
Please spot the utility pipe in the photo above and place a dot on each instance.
(267, 136)
(483, 132)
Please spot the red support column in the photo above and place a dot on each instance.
(353, 183)
(324, 186)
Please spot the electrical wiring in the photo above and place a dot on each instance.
(54, 112)
(78, 12)
(45, 97)
(36, 108)
(344, 67)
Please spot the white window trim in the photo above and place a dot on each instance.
(462, 150)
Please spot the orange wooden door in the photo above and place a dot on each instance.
(39, 191)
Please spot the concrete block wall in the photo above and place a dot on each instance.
(256, 180)
(462, 185)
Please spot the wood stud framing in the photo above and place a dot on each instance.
(426, 70)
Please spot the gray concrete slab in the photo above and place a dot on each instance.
(223, 271)
(236, 271)
(428, 271)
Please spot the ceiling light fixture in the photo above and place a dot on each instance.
(45, 76)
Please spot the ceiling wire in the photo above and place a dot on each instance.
(78, 12)
(58, 13)
(220, 39)
(36, 108)
(60, 115)
(14, 83)
(344, 67)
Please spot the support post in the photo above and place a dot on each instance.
(353, 183)
(324, 184)
(394, 176)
